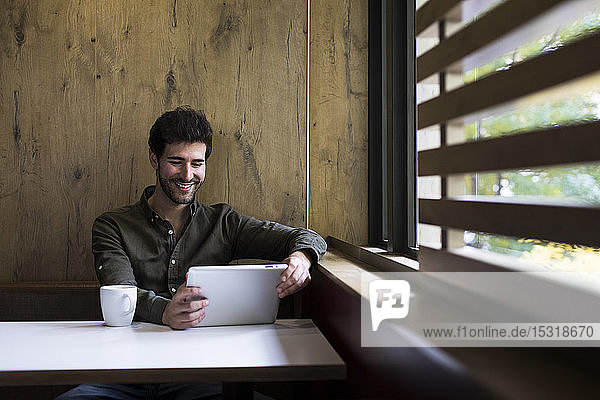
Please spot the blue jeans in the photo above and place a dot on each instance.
(154, 391)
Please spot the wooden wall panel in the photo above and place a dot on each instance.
(129, 49)
(255, 92)
(47, 128)
(81, 84)
(339, 119)
(242, 63)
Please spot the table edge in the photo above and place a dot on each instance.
(236, 374)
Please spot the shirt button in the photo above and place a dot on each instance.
(170, 231)
(173, 290)
(173, 262)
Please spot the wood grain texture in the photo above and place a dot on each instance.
(81, 84)
(339, 119)
(47, 138)
(255, 95)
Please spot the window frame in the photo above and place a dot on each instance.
(392, 133)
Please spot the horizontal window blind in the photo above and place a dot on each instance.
(527, 205)
(560, 223)
(491, 26)
(572, 61)
(556, 145)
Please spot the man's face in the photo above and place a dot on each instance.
(180, 170)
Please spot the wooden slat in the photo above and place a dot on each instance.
(491, 26)
(562, 145)
(566, 224)
(572, 61)
(431, 12)
(458, 260)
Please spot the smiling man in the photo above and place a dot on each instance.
(152, 243)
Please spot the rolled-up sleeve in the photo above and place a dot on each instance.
(270, 240)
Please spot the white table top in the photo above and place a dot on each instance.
(75, 352)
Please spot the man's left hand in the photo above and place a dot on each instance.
(296, 275)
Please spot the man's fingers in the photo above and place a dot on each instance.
(291, 272)
(194, 298)
(187, 320)
(288, 291)
(291, 279)
(284, 285)
(182, 309)
(197, 305)
(193, 316)
(183, 292)
(307, 280)
(285, 275)
(296, 277)
(287, 288)
(187, 325)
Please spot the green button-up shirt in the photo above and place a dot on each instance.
(133, 245)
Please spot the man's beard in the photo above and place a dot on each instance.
(169, 187)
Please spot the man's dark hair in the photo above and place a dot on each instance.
(184, 124)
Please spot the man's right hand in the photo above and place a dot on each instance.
(186, 308)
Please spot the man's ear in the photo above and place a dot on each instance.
(153, 159)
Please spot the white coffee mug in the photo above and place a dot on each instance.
(118, 304)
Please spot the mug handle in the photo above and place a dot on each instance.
(130, 307)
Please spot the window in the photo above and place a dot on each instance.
(508, 117)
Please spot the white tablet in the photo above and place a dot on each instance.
(238, 294)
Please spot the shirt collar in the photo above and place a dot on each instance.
(150, 213)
